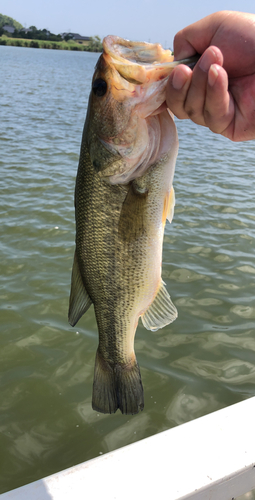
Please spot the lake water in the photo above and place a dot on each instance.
(202, 362)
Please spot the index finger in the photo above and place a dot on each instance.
(196, 37)
(176, 90)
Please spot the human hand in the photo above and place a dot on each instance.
(220, 92)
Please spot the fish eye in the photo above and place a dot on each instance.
(99, 87)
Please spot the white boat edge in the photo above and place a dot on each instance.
(210, 458)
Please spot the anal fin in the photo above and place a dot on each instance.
(161, 312)
(79, 300)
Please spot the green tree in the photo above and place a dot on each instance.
(95, 44)
(67, 37)
(9, 21)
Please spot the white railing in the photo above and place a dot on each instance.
(210, 458)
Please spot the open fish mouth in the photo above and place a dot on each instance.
(134, 76)
(141, 62)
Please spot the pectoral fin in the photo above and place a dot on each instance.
(169, 203)
(161, 312)
(80, 300)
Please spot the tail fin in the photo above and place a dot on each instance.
(117, 387)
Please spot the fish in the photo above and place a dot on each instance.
(123, 197)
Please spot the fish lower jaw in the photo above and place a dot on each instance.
(157, 138)
(129, 170)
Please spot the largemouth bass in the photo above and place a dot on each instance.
(123, 197)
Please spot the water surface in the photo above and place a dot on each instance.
(202, 362)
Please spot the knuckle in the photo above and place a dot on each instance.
(207, 117)
(177, 38)
(181, 115)
(191, 112)
(178, 111)
(195, 115)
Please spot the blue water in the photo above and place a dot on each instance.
(202, 362)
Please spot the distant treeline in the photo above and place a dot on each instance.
(94, 45)
(43, 38)
(32, 34)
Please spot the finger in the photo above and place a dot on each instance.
(196, 96)
(232, 32)
(219, 107)
(196, 37)
(176, 90)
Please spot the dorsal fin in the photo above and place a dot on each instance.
(79, 300)
(161, 312)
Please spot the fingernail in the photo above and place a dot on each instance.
(212, 75)
(207, 60)
(179, 79)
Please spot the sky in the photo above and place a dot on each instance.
(143, 20)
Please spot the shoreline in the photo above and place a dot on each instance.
(47, 44)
